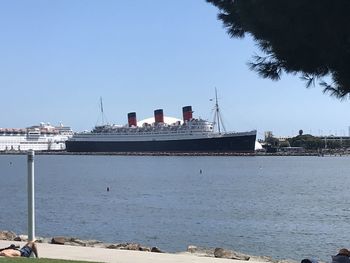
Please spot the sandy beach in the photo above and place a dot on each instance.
(117, 256)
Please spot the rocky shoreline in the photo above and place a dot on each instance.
(192, 249)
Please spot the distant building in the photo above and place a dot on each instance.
(284, 138)
(268, 134)
(344, 141)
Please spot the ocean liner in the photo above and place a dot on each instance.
(42, 137)
(189, 135)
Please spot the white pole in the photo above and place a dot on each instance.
(31, 200)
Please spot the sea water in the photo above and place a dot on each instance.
(284, 207)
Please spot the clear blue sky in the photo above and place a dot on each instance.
(58, 57)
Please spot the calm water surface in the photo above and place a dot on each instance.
(284, 207)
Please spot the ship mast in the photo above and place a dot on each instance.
(217, 115)
(101, 108)
(103, 117)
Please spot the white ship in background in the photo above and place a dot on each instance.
(42, 137)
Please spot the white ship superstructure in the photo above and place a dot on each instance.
(192, 129)
(42, 137)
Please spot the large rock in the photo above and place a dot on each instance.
(132, 246)
(7, 235)
(43, 240)
(156, 250)
(192, 249)
(146, 249)
(200, 251)
(84, 243)
(116, 246)
(222, 253)
(21, 238)
(92, 243)
(58, 240)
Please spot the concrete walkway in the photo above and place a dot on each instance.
(116, 256)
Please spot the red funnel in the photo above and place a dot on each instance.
(158, 116)
(187, 113)
(132, 119)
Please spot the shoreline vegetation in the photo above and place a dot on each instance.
(191, 249)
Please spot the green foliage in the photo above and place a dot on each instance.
(346, 144)
(297, 36)
(307, 141)
(333, 144)
(284, 144)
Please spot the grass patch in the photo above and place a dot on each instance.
(38, 260)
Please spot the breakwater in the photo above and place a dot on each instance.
(217, 252)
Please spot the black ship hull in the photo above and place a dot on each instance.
(235, 144)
